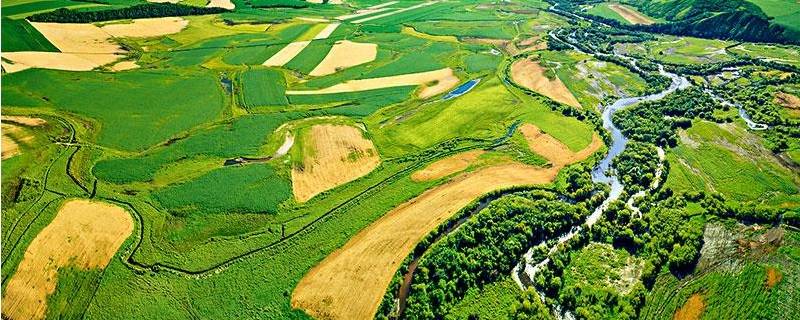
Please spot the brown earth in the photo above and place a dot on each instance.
(787, 100)
(84, 234)
(692, 309)
(23, 120)
(773, 277)
(9, 147)
(124, 65)
(225, 4)
(530, 74)
(78, 37)
(447, 166)
(345, 54)
(24, 60)
(553, 150)
(146, 28)
(340, 154)
(350, 283)
(631, 15)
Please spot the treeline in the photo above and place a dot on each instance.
(657, 121)
(147, 10)
(486, 248)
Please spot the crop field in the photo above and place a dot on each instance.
(263, 87)
(286, 159)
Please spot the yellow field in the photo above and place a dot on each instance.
(432, 82)
(447, 166)
(350, 283)
(345, 54)
(530, 74)
(146, 28)
(339, 154)
(84, 234)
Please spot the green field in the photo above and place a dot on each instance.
(263, 87)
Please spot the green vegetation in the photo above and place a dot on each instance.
(136, 110)
(228, 190)
(494, 301)
(263, 87)
(729, 160)
(602, 10)
(19, 35)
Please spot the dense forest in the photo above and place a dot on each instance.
(148, 10)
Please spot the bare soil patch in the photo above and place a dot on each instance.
(10, 147)
(345, 54)
(692, 309)
(146, 28)
(84, 234)
(447, 166)
(286, 54)
(393, 12)
(23, 120)
(24, 60)
(531, 75)
(788, 101)
(124, 65)
(773, 277)
(77, 37)
(340, 154)
(631, 15)
(350, 283)
(13, 135)
(225, 4)
(433, 82)
(553, 150)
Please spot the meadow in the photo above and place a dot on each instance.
(707, 161)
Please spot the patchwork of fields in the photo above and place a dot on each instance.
(275, 159)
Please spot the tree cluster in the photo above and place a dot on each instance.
(657, 121)
(487, 247)
(147, 10)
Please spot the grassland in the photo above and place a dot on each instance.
(756, 281)
(263, 87)
(784, 12)
(727, 159)
(495, 301)
(681, 50)
(19, 35)
(155, 106)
